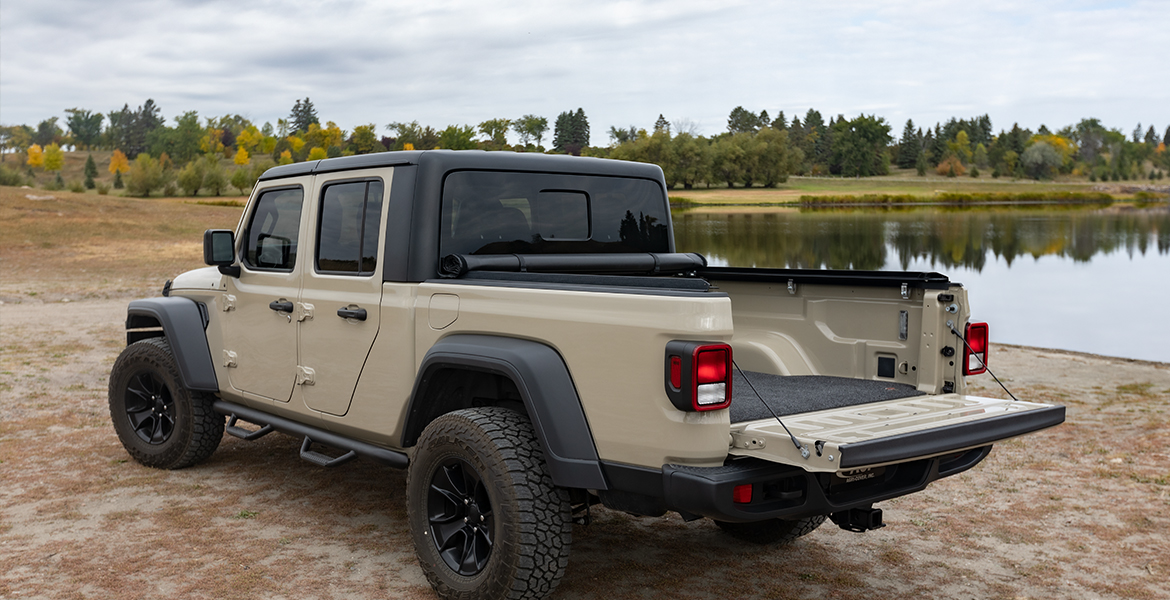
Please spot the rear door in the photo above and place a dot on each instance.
(889, 432)
(338, 310)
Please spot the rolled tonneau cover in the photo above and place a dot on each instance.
(456, 265)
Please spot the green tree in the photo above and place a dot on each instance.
(214, 177)
(365, 141)
(662, 125)
(90, 172)
(496, 131)
(859, 147)
(191, 177)
(623, 136)
(85, 127)
(54, 158)
(692, 159)
(129, 129)
(530, 128)
(242, 180)
(1041, 161)
(181, 142)
(777, 159)
(742, 120)
(456, 137)
(727, 161)
(146, 175)
(48, 132)
(302, 115)
(418, 137)
(909, 147)
(571, 132)
(960, 147)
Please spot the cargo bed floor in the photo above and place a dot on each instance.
(793, 394)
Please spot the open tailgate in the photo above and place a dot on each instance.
(893, 431)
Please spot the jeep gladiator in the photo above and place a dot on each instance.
(518, 331)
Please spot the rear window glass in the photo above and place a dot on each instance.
(530, 213)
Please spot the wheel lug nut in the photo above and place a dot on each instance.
(481, 518)
(464, 519)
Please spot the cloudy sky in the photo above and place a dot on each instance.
(444, 62)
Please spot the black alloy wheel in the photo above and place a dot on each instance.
(150, 408)
(460, 517)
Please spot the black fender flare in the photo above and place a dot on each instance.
(183, 324)
(547, 390)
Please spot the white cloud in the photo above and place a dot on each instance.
(624, 62)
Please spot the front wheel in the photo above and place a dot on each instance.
(486, 519)
(772, 531)
(160, 423)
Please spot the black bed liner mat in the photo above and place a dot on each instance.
(795, 394)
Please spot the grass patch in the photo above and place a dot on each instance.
(233, 203)
(1031, 197)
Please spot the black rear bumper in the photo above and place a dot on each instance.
(782, 491)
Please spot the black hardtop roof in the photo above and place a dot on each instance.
(449, 160)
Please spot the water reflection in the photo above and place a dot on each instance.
(875, 238)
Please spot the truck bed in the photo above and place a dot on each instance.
(795, 394)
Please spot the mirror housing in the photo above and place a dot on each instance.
(219, 250)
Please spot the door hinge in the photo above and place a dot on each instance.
(229, 302)
(304, 311)
(905, 291)
(792, 286)
(305, 376)
(229, 358)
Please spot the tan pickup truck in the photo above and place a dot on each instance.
(518, 331)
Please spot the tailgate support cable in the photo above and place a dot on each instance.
(951, 324)
(803, 450)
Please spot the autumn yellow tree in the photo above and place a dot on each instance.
(285, 158)
(317, 153)
(36, 156)
(119, 163)
(54, 158)
(212, 141)
(242, 157)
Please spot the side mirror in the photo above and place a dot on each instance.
(219, 250)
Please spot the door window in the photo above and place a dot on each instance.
(272, 233)
(347, 230)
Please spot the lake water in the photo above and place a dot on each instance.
(1089, 278)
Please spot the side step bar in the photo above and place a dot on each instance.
(311, 434)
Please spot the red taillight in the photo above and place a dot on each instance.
(976, 336)
(711, 365)
(698, 375)
(742, 494)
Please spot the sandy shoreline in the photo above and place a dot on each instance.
(1079, 511)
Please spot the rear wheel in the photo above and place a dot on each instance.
(159, 422)
(486, 519)
(773, 531)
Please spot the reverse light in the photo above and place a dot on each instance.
(976, 336)
(698, 375)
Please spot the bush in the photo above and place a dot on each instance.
(146, 175)
(118, 180)
(77, 187)
(11, 177)
(951, 167)
(103, 189)
(191, 177)
(214, 179)
(242, 180)
(171, 190)
(974, 172)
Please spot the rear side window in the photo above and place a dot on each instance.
(347, 233)
(530, 213)
(274, 229)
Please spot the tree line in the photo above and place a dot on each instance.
(755, 149)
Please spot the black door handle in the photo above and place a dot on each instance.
(279, 306)
(352, 313)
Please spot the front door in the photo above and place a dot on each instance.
(260, 328)
(339, 302)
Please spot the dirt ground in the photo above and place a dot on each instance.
(1081, 511)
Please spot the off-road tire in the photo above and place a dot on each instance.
(773, 532)
(526, 518)
(160, 423)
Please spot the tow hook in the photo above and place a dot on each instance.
(858, 519)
